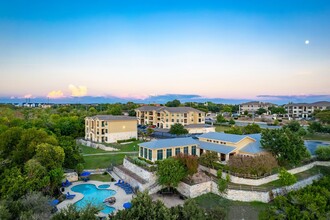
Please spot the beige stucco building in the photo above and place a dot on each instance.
(165, 117)
(110, 128)
(305, 110)
(252, 107)
(225, 145)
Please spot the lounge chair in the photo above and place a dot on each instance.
(119, 182)
(66, 183)
(69, 196)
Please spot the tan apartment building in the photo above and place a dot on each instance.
(305, 110)
(165, 117)
(225, 145)
(110, 128)
(252, 107)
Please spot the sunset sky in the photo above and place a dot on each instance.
(216, 49)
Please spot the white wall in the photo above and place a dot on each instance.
(114, 137)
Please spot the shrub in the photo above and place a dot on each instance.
(286, 178)
(127, 140)
(79, 168)
(257, 165)
(189, 161)
(323, 152)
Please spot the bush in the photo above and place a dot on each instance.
(286, 178)
(323, 152)
(79, 168)
(127, 140)
(257, 165)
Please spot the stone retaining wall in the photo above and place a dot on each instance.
(241, 195)
(95, 145)
(127, 178)
(261, 181)
(144, 174)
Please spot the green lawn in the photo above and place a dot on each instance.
(100, 177)
(89, 150)
(221, 128)
(300, 176)
(126, 147)
(103, 161)
(322, 137)
(234, 209)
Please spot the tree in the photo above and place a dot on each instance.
(50, 156)
(189, 161)
(277, 110)
(174, 103)
(246, 112)
(231, 122)
(178, 129)
(79, 168)
(221, 119)
(116, 110)
(323, 116)
(150, 131)
(261, 111)
(251, 129)
(293, 126)
(170, 172)
(234, 130)
(208, 159)
(285, 145)
(72, 212)
(257, 165)
(323, 152)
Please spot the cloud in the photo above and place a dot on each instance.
(55, 94)
(27, 96)
(78, 91)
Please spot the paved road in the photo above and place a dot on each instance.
(99, 154)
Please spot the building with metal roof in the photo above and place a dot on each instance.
(225, 145)
(110, 128)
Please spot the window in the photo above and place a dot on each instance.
(141, 151)
(177, 120)
(145, 153)
(168, 153)
(177, 151)
(172, 120)
(193, 150)
(159, 154)
(150, 154)
(185, 150)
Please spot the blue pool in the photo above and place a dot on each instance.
(94, 196)
(312, 145)
(104, 186)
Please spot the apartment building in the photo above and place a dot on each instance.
(110, 128)
(253, 106)
(165, 117)
(305, 110)
(225, 145)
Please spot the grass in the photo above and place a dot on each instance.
(89, 150)
(300, 176)
(317, 136)
(103, 161)
(100, 177)
(221, 128)
(234, 209)
(126, 147)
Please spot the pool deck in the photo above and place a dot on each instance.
(121, 196)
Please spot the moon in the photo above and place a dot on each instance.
(306, 42)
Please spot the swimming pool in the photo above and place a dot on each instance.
(94, 196)
(104, 186)
(312, 145)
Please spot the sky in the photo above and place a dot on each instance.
(231, 49)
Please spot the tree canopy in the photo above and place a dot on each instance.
(170, 172)
(174, 103)
(285, 145)
(178, 129)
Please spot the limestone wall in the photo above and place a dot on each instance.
(95, 145)
(144, 174)
(258, 182)
(134, 183)
(72, 177)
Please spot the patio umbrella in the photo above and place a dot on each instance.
(85, 174)
(127, 205)
(54, 202)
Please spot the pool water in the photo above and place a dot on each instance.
(104, 186)
(94, 196)
(312, 145)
